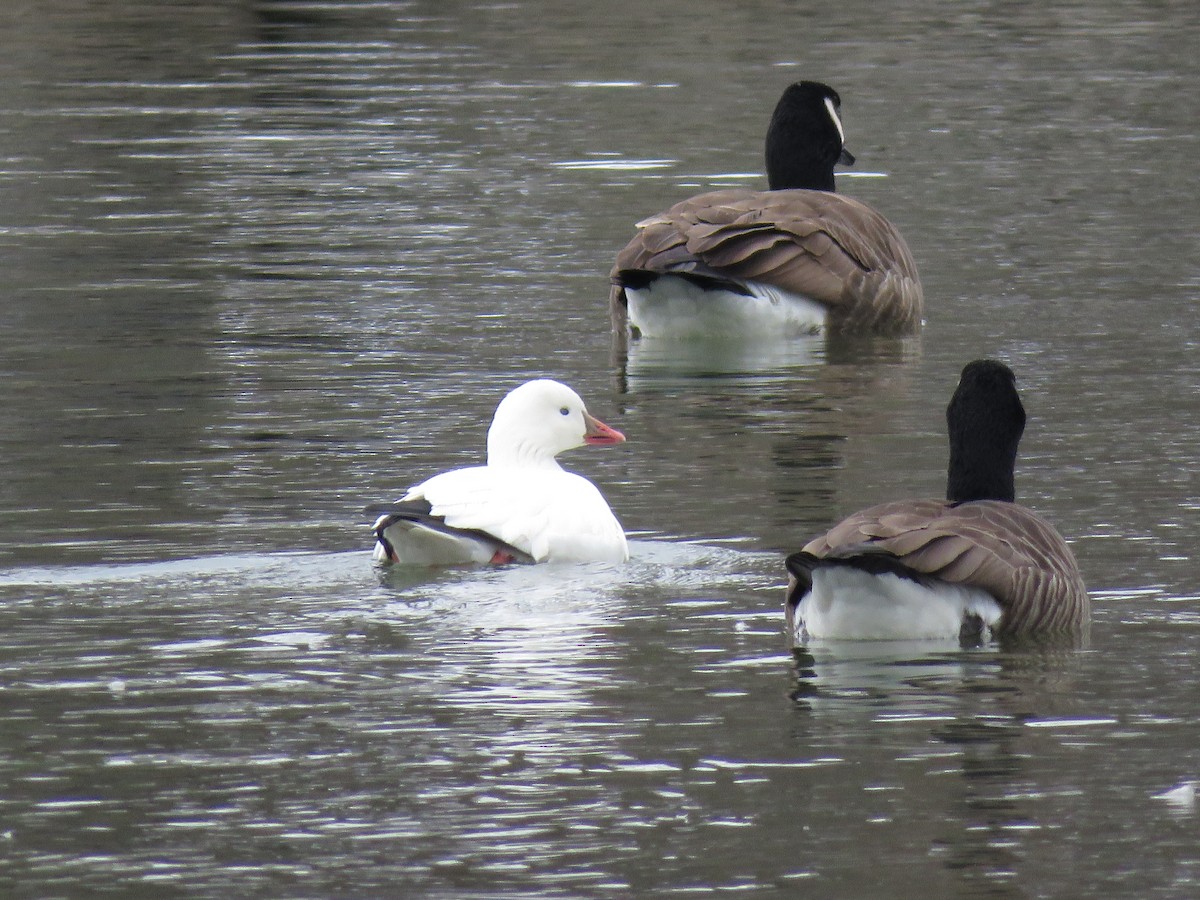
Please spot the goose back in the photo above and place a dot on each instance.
(1002, 548)
(827, 247)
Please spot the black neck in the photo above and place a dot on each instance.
(985, 419)
(793, 174)
(803, 141)
(986, 475)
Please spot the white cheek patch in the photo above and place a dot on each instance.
(836, 121)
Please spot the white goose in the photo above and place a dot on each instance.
(973, 566)
(520, 507)
(797, 258)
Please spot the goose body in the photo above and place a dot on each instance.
(522, 506)
(973, 566)
(797, 258)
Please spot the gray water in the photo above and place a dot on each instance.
(265, 263)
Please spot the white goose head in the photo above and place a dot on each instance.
(539, 420)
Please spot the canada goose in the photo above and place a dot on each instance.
(522, 506)
(797, 258)
(968, 566)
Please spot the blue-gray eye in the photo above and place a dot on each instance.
(565, 411)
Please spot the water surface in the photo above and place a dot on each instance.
(266, 263)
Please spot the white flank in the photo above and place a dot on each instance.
(677, 308)
(850, 604)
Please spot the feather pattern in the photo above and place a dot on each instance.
(814, 244)
(426, 538)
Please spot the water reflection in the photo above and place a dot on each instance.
(781, 438)
(650, 361)
(653, 359)
(987, 714)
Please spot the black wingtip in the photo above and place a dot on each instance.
(421, 512)
(407, 509)
(638, 279)
(800, 565)
(864, 557)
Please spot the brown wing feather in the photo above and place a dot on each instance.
(1002, 548)
(824, 246)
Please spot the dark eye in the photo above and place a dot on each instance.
(564, 411)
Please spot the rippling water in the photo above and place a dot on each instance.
(266, 263)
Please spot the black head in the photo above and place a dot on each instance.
(985, 419)
(805, 139)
